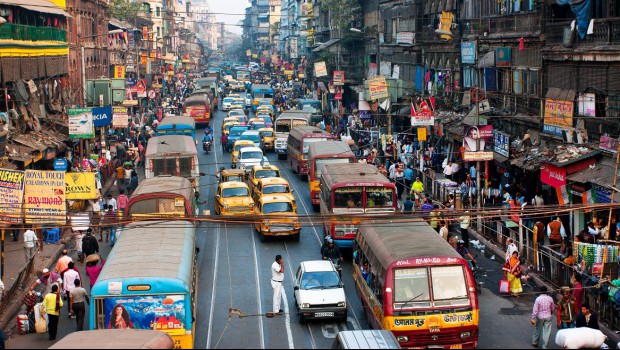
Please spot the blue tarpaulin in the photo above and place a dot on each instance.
(581, 9)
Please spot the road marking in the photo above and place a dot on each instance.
(258, 295)
(329, 330)
(287, 321)
(215, 270)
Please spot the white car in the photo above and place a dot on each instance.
(319, 292)
(248, 99)
(226, 103)
(249, 157)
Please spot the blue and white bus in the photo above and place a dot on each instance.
(149, 282)
(260, 93)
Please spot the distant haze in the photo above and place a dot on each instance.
(229, 6)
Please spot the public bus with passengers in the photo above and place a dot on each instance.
(198, 107)
(174, 155)
(415, 285)
(286, 121)
(163, 196)
(261, 92)
(177, 125)
(353, 189)
(299, 140)
(149, 281)
(319, 154)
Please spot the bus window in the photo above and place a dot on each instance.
(449, 287)
(186, 167)
(379, 197)
(348, 197)
(309, 140)
(411, 288)
(164, 166)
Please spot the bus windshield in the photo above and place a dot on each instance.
(379, 197)
(284, 126)
(449, 287)
(313, 107)
(279, 207)
(309, 140)
(235, 192)
(348, 197)
(411, 288)
(275, 189)
(319, 163)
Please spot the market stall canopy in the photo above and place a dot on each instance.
(42, 6)
(326, 45)
(601, 174)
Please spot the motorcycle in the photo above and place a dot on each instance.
(474, 272)
(206, 146)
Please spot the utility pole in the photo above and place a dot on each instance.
(613, 194)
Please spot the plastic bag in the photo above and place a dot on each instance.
(504, 287)
(580, 338)
(41, 325)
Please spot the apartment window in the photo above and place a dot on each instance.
(273, 9)
(469, 77)
(158, 11)
(518, 81)
(533, 83)
(394, 29)
(159, 32)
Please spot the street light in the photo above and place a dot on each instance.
(355, 30)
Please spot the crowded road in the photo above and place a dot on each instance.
(234, 269)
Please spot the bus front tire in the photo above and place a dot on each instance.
(296, 237)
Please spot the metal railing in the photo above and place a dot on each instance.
(606, 31)
(516, 22)
(32, 33)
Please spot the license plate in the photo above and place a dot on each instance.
(324, 314)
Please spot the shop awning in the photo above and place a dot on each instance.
(601, 174)
(560, 94)
(21, 153)
(326, 45)
(488, 60)
(42, 6)
(499, 158)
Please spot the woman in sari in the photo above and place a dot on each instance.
(512, 272)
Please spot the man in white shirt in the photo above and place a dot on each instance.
(448, 170)
(30, 244)
(277, 275)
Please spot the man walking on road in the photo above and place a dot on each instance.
(77, 299)
(89, 243)
(277, 275)
(30, 244)
(542, 315)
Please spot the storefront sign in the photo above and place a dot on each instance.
(81, 123)
(477, 156)
(154, 312)
(81, 185)
(608, 144)
(468, 52)
(44, 197)
(377, 87)
(320, 69)
(503, 57)
(11, 195)
(404, 38)
(120, 117)
(558, 116)
(552, 175)
(421, 134)
(603, 194)
(339, 78)
(372, 70)
(61, 164)
(102, 116)
(587, 105)
(119, 72)
(294, 48)
(478, 139)
(501, 143)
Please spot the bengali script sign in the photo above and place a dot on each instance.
(44, 197)
(377, 87)
(120, 118)
(11, 195)
(558, 116)
(320, 69)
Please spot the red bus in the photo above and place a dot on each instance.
(199, 108)
(414, 284)
(298, 143)
(319, 154)
(353, 189)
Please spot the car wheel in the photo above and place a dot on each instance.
(296, 237)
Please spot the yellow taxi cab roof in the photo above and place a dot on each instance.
(244, 142)
(233, 184)
(265, 167)
(230, 172)
(275, 198)
(255, 120)
(274, 181)
(265, 129)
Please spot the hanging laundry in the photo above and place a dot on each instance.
(522, 44)
(581, 9)
(591, 27)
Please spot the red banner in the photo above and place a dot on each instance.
(552, 175)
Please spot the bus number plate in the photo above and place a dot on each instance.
(434, 330)
(324, 314)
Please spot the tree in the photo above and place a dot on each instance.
(341, 12)
(124, 10)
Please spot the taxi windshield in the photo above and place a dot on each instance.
(243, 145)
(261, 174)
(267, 134)
(271, 189)
(252, 155)
(278, 207)
(235, 192)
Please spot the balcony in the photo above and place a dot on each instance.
(515, 25)
(31, 33)
(606, 32)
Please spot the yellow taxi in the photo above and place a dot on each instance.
(261, 172)
(267, 138)
(255, 120)
(264, 110)
(239, 144)
(279, 217)
(226, 126)
(227, 175)
(233, 198)
(273, 186)
(230, 120)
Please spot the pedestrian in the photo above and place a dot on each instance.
(110, 220)
(77, 297)
(48, 279)
(510, 248)
(408, 205)
(277, 276)
(68, 278)
(464, 224)
(400, 182)
(444, 231)
(120, 170)
(30, 245)
(128, 172)
(134, 182)
(556, 231)
(586, 318)
(435, 218)
(542, 315)
(111, 201)
(93, 270)
(512, 273)
(79, 237)
(577, 291)
(63, 261)
(121, 201)
(89, 243)
(53, 303)
(566, 313)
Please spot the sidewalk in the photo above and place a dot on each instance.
(612, 337)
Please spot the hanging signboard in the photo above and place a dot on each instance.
(11, 195)
(44, 197)
(81, 123)
(501, 144)
(558, 116)
(81, 185)
(102, 116)
(294, 48)
(320, 69)
(477, 142)
(120, 117)
(468, 52)
(377, 87)
(587, 105)
(339, 78)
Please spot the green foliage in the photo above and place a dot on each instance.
(124, 10)
(340, 12)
